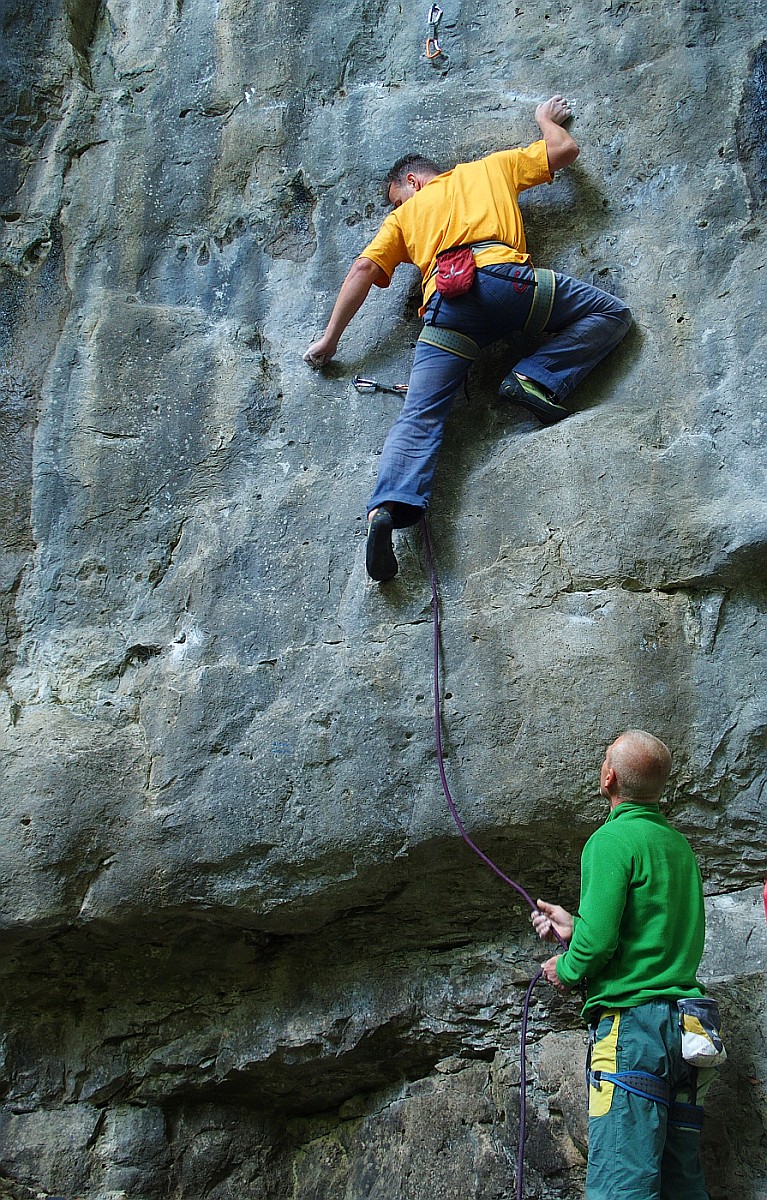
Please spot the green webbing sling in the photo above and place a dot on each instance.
(450, 340)
(543, 301)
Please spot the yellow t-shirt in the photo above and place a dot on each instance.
(475, 202)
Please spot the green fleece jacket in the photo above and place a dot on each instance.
(638, 934)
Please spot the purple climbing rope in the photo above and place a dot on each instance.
(523, 1083)
(438, 730)
(485, 859)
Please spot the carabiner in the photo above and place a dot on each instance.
(433, 48)
(364, 385)
(372, 385)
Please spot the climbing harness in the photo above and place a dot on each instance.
(686, 1116)
(481, 854)
(641, 1083)
(434, 52)
(543, 301)
(372, 385)
(650, 1087)
(450, 340)
(455, 271)
(459, 344)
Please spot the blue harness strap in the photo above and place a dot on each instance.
(641, 1083)
(686, 1116)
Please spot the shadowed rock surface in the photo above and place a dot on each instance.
(244, 951)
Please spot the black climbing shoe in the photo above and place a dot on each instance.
(532, 397)
(379, 557)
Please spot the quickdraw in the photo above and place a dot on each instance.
(434, 52)
(372, 385)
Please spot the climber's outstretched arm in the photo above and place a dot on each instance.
(561, 147)
(354, 289)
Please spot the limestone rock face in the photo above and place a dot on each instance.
(245, 951)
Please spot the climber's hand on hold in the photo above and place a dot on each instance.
(561, 147)
(549, 969)
(361, 276)
(550, 918)
(556, 109)
(320, 352)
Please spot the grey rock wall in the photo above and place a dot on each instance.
(244, 949)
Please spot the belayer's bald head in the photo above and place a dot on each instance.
(636, 767)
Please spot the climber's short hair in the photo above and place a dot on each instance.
(409, 163)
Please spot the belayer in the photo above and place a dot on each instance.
(636, 941)
(463, 230)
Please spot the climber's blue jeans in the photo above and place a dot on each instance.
(585, 325)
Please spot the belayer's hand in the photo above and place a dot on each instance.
(551, 917)
(549, 969)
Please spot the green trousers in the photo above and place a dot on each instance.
(640, 1148)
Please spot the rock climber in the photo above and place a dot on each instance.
(637, 941)
(474, 205)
